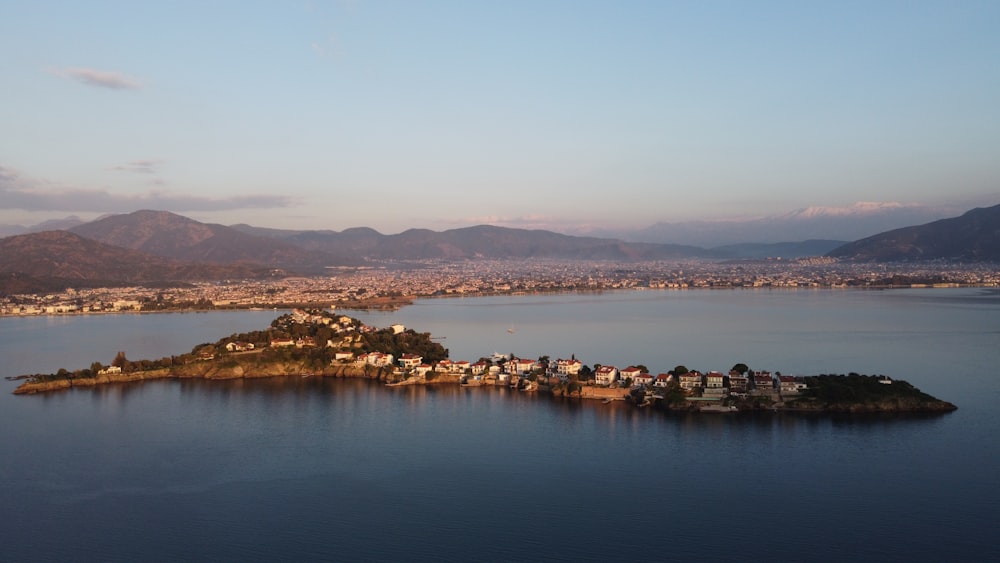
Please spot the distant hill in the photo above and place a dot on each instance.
(779, 249)
(151, 247)
(54, 260)
(974, 236)
(56, 225)
(851, 222)
(166, 234)
(483, 241)
(169, 235)
(50, 225)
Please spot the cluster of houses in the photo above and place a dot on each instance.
(341, 325)
(500, 369)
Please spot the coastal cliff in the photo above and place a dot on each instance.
(239, 369)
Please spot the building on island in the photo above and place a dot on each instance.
(410, 361)
(605, 375)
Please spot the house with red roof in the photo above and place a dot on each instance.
(642, 379)
(691, 380)
(787, 384)
(629, 373)
(568, 367)
(605, 375)
(714, 380)
(762, 381)
(410, 361)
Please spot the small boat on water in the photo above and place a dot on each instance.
(717, 408)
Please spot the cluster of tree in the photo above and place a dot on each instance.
(855, 388)
(158, 303)
(120, 361)
(406, 342)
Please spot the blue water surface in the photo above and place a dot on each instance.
(347, 470)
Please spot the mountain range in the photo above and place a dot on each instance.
(845, 223)
(168, 235)
(974, 236)
(848, 223)
(151, 246)
(54, 260)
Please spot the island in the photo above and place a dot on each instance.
(323, 343)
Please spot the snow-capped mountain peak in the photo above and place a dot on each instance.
(860, 208)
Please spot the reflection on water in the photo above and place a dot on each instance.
(307, 468)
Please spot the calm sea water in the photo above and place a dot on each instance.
(314, 469)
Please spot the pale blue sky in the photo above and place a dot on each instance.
(443, 114)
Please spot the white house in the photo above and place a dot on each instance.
(690, 380)
(762, 381)
(377, 359)
(714, 380)
(410, 361)
(517, 366)
(663, 379)
(630, 372)
(525, 366)
(738, 383)
(787, 384)
(642, 379)
(605, 375)
(568, 367)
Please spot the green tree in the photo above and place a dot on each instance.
(741, 368)
(680, 370)
(673, 394)
(121, 361)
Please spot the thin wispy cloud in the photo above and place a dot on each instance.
(532, 221)
(99, 78)
(7, 177)
(17, 193)
(147, 166)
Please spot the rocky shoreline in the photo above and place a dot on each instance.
(213, 370)
(323, 344)
(204, 370)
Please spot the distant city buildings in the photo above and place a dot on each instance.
(428, 278)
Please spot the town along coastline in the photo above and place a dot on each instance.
(324, 344)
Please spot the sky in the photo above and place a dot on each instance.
(562, 115)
